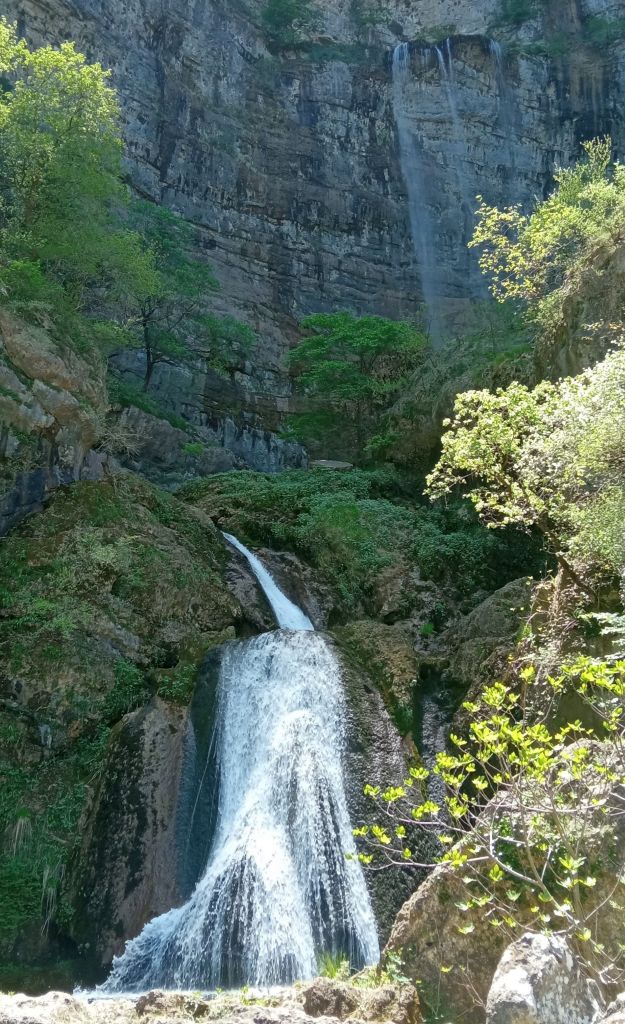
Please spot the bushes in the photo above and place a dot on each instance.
(353, 526)
(281, 19)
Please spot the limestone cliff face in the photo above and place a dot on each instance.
(290, 160)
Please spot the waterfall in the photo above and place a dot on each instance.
(282, 884)
(287, 614)
(417, 181)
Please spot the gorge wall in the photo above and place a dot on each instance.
(288, 160)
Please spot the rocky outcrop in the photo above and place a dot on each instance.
(375, 755)
(52, 404)
(398, 1004)
(481, 640)
(539, 981)
(287, 157)
(197, 398)
(127, 862)
(327, 997)
(387, 655)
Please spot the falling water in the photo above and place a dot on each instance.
(281, 885)
(417, 182)
(287, 614)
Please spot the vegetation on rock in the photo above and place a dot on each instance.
(356, 526)
(353, 368)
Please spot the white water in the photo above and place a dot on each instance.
(288, 615)
(281, 885)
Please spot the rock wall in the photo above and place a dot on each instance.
(288, 160)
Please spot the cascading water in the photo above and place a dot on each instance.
(281, 885)
(288, 615)
(417, 182)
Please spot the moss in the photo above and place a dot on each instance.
(386, 654)
(108, 595)
(354, 527)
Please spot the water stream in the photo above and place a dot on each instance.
(281, 885)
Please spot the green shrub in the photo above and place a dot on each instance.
(352, 526)
(281, 19)
(127, 394)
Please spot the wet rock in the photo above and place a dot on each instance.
(538, 981)
(387, 654)
(301, 584)
(127, 867)
(375, 754)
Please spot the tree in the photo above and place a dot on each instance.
(548, 459)
(165, 301)
(530, 817)
(355, 366)
(528, 257)
(60, 176)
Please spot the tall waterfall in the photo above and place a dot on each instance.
(281, 885)
(417, 182)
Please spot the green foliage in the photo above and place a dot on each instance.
(61, 184)
(129, 691)
(40, 805)
(532, 857)
(529, 257)
(165, 297)
(194, 448)
(334, 965)
(547, 459)
(516, 12)
(126, 393)
(285, 20)
(178, 684)
(353, 526)
(355, 367)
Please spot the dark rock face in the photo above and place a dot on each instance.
(289, 162)
(375, 755)
(127, 865)
(199, 396)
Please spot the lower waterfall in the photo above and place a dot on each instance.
(282, 884)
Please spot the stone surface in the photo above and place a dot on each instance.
(389, 1003)
(128, 859)
(288, 161)
(539, 982)
(328, 997)
(51, 406)
(478, 640)
(375, 754)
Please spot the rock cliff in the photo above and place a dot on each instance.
(288, 154)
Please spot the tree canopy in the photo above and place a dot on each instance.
(354, 366)
(548, 458)
(526, 256)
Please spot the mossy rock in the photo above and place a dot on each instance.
(110, 595)
(387, 654)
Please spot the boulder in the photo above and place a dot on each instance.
(615, 1014)
(345, 1000)
(538, 981)
(479, 640)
